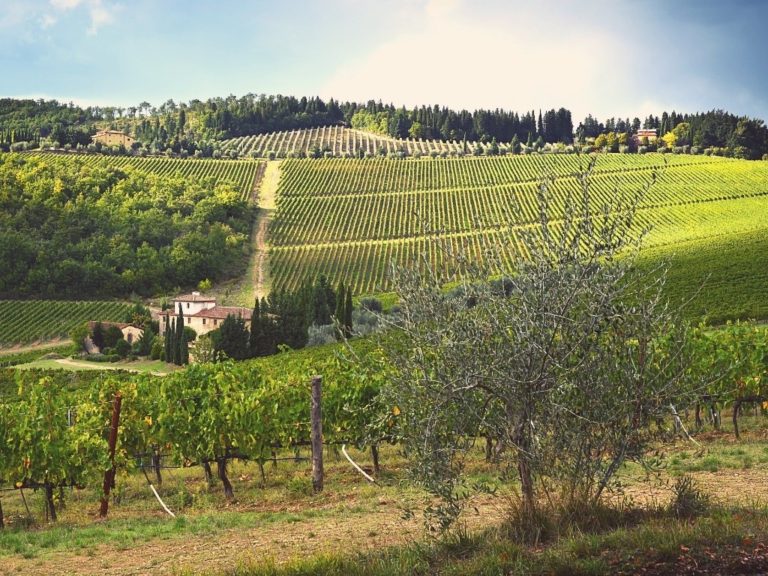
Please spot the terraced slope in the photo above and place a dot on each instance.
(339, 141)
(350, 218)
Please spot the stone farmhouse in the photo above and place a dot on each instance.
(201, 313)
(130, 333)
(113, 138)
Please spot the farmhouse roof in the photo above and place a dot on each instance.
(194, 297)
(222, 312)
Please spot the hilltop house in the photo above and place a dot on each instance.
(201, 313)
(649, 133)
(113, 138)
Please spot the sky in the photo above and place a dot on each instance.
(621, 58)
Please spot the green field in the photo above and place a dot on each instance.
(22, 322)
(349, 219)
(242, 173)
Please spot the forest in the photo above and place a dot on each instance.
(74, 230)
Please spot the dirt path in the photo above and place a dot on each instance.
(347, 530)
(267, 206)
(255, 282)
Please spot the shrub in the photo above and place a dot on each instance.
(371, 304)
(157, 349)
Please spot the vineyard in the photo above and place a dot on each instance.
(213, 414)
(243, 174)
(22, 322)
(208, 415)
(339, 141)
(350, 218)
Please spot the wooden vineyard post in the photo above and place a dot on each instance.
(316, 415)
(109, 475)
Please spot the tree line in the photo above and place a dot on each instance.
(740, 136)
(196, 126)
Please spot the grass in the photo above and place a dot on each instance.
(154, 366)
(724, 539)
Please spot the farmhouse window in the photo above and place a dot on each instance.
(203, 321)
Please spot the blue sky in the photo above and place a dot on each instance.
(605, 57)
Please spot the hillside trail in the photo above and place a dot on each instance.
(254, 282)
(267, 200)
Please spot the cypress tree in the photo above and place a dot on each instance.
(183, 348)
(339, 313)
(98, 336)
(348, 312)
(269, 329)
(178, 338)
(257, 332)
(168, 343)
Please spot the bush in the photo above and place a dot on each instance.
(364, 321)
(122, 348)
(157, 349)
(319, 335)
(371, 304)
(688, 501)
(102, 358)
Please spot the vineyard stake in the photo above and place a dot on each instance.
(109, 475)
(317, 433)
(23, 499)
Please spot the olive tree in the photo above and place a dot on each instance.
(567, 362)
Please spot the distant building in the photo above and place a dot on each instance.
(130, 333)
(201, 313)
(113, 138)
(642, 134)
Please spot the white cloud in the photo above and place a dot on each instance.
(514, 55)
(65, 4)
(99, 12)
(47, 20)
(100, 15)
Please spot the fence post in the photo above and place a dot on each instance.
(109, 475)
(316, 413)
